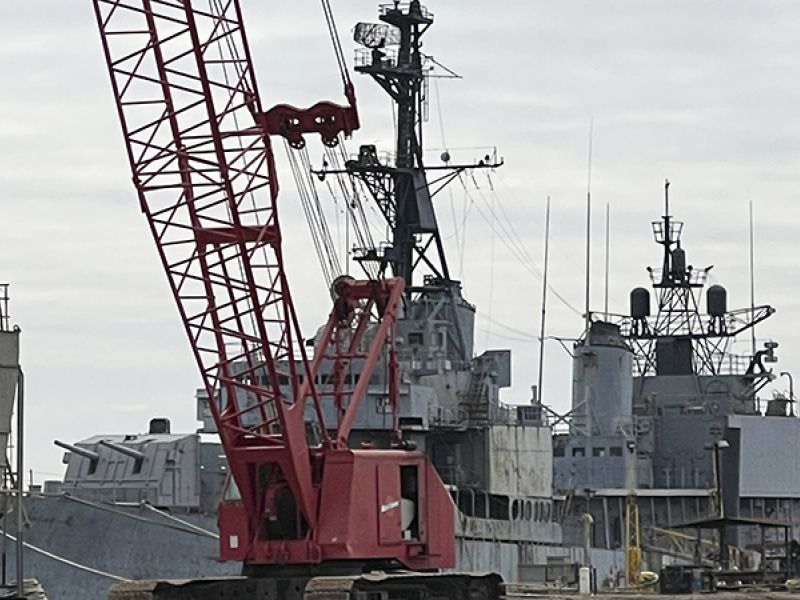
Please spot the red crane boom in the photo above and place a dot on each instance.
(199, 148)
(197, 163)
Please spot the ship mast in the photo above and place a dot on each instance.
(401, 188)
(681, 339)
(401, 72)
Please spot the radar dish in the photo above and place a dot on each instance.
(376, 35)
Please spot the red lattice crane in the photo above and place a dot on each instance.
(198, 141)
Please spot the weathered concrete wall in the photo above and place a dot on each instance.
(521, 461)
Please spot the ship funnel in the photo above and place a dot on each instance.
(602, 384)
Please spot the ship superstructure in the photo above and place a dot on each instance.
(663, 412)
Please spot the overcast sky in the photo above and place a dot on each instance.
(703, 93)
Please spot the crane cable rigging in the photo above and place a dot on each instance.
(300, 166)
(352, 193)
(337, 44)
(348, 191)
(510, 238)
(309, 200)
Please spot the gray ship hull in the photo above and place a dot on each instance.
(78, 548)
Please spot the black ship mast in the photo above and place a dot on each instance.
(401, 189)
(680, 339)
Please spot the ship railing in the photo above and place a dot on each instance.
(458, 476)
(445, 416)
(731, 364)
(385, 158)
(477, 410)
(504, 414)
(4, 319)
(659, 231)
(387, 7)
(536, 414)
(624, 322)
(695, 277)
(629, 328)
(651, 327)
(379, 58)
(531, 414)
(724, 363)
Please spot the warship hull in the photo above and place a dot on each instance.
(79, 548)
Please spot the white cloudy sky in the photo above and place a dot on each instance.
(702, 93)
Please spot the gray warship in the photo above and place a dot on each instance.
(662, 412)
(666, 427)
(142, 505)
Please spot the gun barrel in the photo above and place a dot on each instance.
(133, 453)
(85, 453)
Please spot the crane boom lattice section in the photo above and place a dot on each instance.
(187, 99)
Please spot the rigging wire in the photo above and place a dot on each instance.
(517, 240)
(466, 209)
(520, 332)
(352, 189)
(352, 195)
(491, 278)
(513, 338)
(317, 211)
(193, 530)
(529, 216)
(65, 561)
(337, 42)
(456, 231)
(340, 210)
(517, 250)
(510, 227)
(309, 200)
(201, 530)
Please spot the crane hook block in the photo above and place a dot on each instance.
(325, 118)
